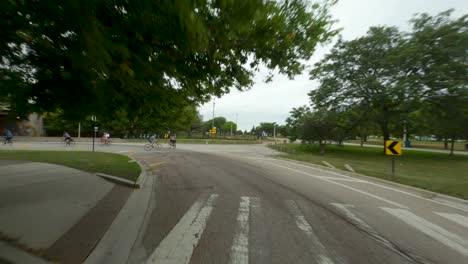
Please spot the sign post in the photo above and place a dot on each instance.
(93, 118)
(393, 148)
(94, 135)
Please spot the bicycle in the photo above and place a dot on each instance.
(154, 146)
(172, 144)
(69, 142)
(8, 141)
(106, 143)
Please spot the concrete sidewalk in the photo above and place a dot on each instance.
(52, 211)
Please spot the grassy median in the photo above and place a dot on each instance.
(436, 172)
(93, 162)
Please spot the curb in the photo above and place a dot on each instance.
(143, 175)
(137, 185)
(117, 180)
(117, 243)
(417, 191)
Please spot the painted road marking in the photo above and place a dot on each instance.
(346, 210)
(157, 164)
(240, 244)
(375, 184)
(321, 253)
(131, 154)
(436, 232)
(339, 179)
(459, 219)
(341, 185)
(123, 151)
(177, 247)
(258, 252)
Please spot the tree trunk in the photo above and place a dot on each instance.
(340, 142)
(362, 141)
(386, 134)
(452, 146)
(445, 143)
(322, 148)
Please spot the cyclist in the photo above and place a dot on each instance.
(8, 137)
(105, 138)
(152, 139)
(172, 140)
(67, 137)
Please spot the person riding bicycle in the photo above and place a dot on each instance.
(67, 137)
(105, 138)
(152, 139)
(8, 137)
(172, 140)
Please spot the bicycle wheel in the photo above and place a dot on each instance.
(148, 147)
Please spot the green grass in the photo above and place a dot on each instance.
(436, 172)
(93, 162)
(458, 146)
(203, 141)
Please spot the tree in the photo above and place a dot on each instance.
(440, 53)
(266, 127)
(218, 123)
(253, 131)
(282, 131)
(229, 126)
(103, 56)
(320, 126)
(295, 120)
(365, 72)
(449, 117)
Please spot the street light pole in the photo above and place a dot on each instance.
(274, 130)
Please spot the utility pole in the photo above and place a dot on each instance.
(79, 130)
(274, 130)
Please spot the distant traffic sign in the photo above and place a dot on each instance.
(212, 131)
(393, 148)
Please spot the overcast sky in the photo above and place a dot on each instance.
(272, 102)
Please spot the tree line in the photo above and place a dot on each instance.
(142, 65)
(388, 81)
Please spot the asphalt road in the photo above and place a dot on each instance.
(235, 204)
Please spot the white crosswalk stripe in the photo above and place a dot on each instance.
(240, 244)
(459, 219)
(177, 246)
(322, 256)
(436, 232)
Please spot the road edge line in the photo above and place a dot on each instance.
(426, 194)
